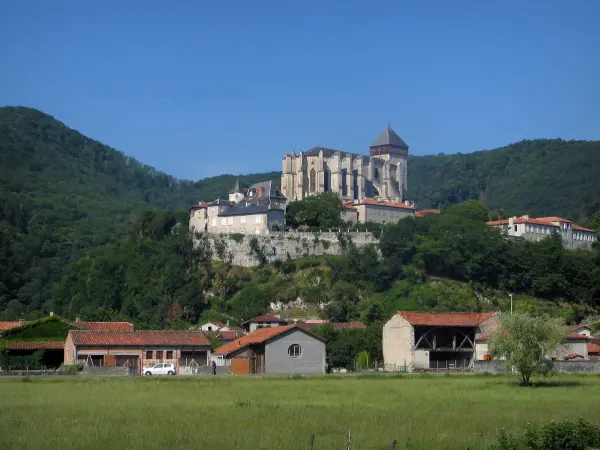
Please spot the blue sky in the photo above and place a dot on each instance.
(198, 88)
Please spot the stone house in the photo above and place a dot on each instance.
(137, 349)
(420, 340)
(259, 209)
(285, 349)
(263, 321)
(573, 235)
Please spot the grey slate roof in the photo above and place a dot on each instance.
(248, 210)
(389, 137)
(329, 152)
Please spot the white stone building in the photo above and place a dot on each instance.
(259, 209)
(573, 235)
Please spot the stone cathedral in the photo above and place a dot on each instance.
(382, 175)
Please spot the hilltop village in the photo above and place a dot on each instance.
(372, 189)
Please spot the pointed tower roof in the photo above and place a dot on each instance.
(236, 188)
(389, 137)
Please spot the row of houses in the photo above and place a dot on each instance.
(264, 344)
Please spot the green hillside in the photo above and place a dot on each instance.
(76, 236)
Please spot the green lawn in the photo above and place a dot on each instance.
(430, 412)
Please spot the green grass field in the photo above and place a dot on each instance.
(429, 412)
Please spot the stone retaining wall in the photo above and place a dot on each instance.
(252, 250)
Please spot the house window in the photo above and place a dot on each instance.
(295, 351)
(243, 219)
(312, 183)
(159, 355)
(169, 354)
(223, 220)
(257, 231)
(214, 222)
(257, 219)
(230, 221)
(515, 228)
(148, 354)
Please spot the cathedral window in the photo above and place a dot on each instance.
(312, 184)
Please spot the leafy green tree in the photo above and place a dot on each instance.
(471, 209)
(317, 211)
(527, 342)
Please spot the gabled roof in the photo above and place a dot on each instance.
(453, 319)
(555, 219)
(9, 325)
(107, 326)
(259, 336)
(593, 346)
(389, 137)
(35, 345)
(266, 318)
(580, 228)
(138, 338)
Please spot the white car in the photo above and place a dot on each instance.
(160, 369)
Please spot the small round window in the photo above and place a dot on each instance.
(295, 351)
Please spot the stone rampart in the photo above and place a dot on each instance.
(253, 250)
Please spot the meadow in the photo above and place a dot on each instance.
(420, 412)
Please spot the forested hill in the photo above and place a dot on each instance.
(539, 177)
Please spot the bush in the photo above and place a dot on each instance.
(556, 435)
(70, 368)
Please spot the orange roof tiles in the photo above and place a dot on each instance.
(138, 338)
(8, 325)
(454, 319)
(555, 219)
(592, 347)
(32, 345)
(105, 326)
(429, 211)
(258, 337)
(520, 220)
(580, 228)
(266, 318)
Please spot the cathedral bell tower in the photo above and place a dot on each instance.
(391, 148)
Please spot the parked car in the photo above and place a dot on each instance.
(160, 369)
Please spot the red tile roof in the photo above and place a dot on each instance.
(429, 211)
(138, 338)
(454, 319)
(373, 202)
(520, 220)
(419, 214)
(349, 205)
(105, 326)
(580, 228)
(555, 219)
(8, 325)
(46, 345)
(593, 347)
(266, 318)
(572, 336)
(225, 335)
(258, 337)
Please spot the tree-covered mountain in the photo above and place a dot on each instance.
(73, 234)
(542, 177)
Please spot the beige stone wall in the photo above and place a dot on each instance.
(382, 214)
(398, 339)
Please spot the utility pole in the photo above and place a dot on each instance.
(511, 303)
